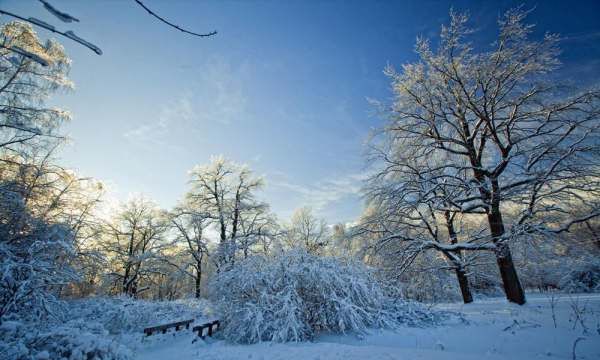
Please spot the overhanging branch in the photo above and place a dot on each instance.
(171, 24)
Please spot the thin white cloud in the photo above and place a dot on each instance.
(220, 91)
(173, 116)
(585, 36)
(217, 97)
(325, 192)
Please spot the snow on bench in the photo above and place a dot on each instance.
(209, 326)
(163, 328)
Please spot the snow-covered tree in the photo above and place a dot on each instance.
(59, 196)
(306, 231)
(224, 192)
(25, 122)
(258, 229)
(190, 228)
(411, 210)
(134, 242)
(511, 136)
(33, 255)
(47, 211)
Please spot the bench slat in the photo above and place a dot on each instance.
(163, 328)
(209, 326)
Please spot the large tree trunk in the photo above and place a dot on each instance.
(510, 279)
(463, 281)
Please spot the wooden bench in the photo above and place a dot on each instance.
(163, 328)
(209, 326)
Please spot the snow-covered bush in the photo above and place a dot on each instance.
(295, 295)
(19, 341)
(427, 286)
(93, 328)
(31, 257)
(120, 315)
(582, 278)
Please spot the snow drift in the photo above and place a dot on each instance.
(95, 328)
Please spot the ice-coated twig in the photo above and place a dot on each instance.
(41, 23)
(59, 14)
(71, 35)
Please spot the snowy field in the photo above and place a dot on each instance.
(487, 329)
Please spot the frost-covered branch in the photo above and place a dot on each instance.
(38, 59)
(63, 16)
(68, 34)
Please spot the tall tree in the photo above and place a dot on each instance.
(225, 192)
(46, 210)
(258, 228)
(26, 123)
(134, 242)
(191, 227)
(307, 231)
(512, 137)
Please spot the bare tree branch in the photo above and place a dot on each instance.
(171, 24)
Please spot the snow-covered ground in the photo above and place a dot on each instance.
(487, 329)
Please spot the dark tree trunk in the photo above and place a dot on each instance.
(510, 279)
(198, 279)
(461, 275)
(127, 280)
(463, 281)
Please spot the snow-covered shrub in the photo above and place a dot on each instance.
(427, 286)
(119, 315)
(582, 278)
(295, 295)
(20, 341)
(32, 253)
(93, 328)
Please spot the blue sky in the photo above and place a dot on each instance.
(283, 87)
